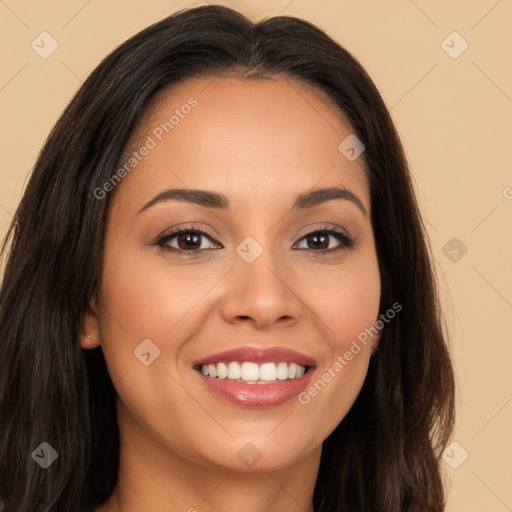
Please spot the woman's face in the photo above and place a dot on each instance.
(259, 284)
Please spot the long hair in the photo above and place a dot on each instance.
(385, 454)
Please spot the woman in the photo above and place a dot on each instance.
(218, 293)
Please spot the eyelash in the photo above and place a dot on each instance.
(347, 242)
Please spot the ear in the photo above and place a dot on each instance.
(374, 342)
(90, 325)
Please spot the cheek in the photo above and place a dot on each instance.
(348, 300)
(349, 310)
(144, 297)
(130, 306)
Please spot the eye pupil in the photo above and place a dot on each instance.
(187, 237)
(316, 237)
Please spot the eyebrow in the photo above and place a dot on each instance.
(220, 201)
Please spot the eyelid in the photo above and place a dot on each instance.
(187, 227)
(171, 233)
(311, 230)
(345, 240)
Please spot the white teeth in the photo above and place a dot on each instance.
(282, 371)
(249, 371)
(253, 373)
(222, 371)
(212, 370)
(268, 371)
(234, 370)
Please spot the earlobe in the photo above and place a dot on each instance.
(90, 337)
(375, 343)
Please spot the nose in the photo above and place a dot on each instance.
(262, 292)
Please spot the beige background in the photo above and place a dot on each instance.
(455, 119)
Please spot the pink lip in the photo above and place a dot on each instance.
(257, 355)
(257, 395)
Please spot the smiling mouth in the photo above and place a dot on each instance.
(249, 372)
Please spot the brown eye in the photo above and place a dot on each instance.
(187, 241)
(321, 241)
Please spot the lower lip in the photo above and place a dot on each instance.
(257, 395)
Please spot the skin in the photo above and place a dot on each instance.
(261, 144)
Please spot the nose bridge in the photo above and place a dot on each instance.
(261, 287)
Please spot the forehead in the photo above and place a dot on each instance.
(248, 138)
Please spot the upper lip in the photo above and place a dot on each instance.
(257, 355)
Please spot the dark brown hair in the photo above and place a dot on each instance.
(385, 454)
